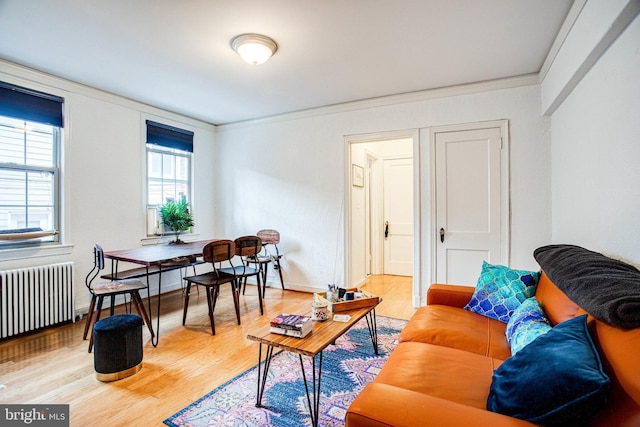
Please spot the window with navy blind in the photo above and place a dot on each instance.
(169, 155)
(30, 133)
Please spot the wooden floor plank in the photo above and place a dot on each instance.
(53, 366)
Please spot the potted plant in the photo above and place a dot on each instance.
(177, 217)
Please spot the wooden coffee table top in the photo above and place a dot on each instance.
(322, 335)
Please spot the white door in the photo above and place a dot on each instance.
(469, 203)
(398, 217)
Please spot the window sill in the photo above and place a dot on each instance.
(157, 240)
(35, 252)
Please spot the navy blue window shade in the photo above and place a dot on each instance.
(26, 104)
(169, 136)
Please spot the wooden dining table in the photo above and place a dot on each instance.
(156, 259)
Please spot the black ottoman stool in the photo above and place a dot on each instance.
(117, 351)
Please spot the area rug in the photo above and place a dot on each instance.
(347, 367)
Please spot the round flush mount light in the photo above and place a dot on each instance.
(254, 48)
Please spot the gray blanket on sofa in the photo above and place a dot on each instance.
(606, 288)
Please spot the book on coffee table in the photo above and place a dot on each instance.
(290, 332)
(295, 322)
(294, 325)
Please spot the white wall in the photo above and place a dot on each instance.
(104, 175)
(289, 172)
(595, 146)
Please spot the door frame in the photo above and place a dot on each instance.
(414, 134)
(374, 219)
(505, 205)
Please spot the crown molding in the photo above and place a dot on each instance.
(614, 29)
(563, 33)
(25, 76)
(383, 101)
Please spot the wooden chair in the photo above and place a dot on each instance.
(247, 247)
(215, 253)
(264, 258)
(110, 289)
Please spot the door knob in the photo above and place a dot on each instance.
(442, 235)
(386, 229)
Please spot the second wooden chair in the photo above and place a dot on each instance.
(247, 247)
(215, 253)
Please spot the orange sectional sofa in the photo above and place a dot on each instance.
(440, 374)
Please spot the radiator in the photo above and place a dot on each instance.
(35, 297)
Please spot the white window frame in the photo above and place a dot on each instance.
(173, 138)
(54, 170)
(153, 209)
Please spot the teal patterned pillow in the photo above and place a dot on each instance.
(526, 324)
(500, 290)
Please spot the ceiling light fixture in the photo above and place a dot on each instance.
(254, 48)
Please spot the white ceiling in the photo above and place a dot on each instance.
(175, 54)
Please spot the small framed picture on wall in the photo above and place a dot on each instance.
(357, 175)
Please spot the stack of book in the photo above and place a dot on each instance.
(293, 325)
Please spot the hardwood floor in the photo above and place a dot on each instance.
(53, 366)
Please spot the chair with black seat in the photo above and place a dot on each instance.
(111, 289)
(247, 248)
(215, 253)
(265, 257)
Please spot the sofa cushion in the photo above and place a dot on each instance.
(619, 350)
(383, 405)
(557, 380)
(457, 328)
(500, 290)
(526, 324)
(442, 372)
(556, 305)
(451, 295)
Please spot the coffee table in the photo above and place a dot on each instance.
(323, 334)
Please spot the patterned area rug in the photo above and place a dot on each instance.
(347, 367)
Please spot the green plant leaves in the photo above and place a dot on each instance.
(176, 216)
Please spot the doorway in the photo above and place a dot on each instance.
(381, 210)
(364, 222)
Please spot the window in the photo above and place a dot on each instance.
(169, 152)
(30, 129)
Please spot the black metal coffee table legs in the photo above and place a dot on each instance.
(312, 378)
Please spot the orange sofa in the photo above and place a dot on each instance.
(440, 374)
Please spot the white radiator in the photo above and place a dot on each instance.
(35, 297)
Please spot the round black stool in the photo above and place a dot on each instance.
(117, 351)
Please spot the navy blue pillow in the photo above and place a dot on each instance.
(556, 380)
